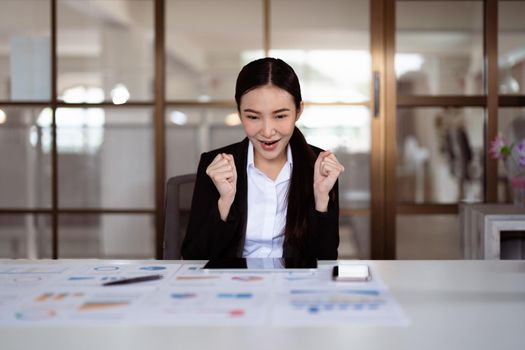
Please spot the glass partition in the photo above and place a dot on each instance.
(440, 155)
(25, 153)
(328, 45)
(439, 47)
(511, 47)
(25, 50)
(105, 50)
(25, 236)
(207, 43)
(105, 158)
(106, 236)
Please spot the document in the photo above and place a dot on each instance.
(73, 294)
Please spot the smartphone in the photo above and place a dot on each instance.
(351, 273)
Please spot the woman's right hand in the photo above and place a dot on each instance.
(224, 176)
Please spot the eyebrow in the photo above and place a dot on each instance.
(249, 110)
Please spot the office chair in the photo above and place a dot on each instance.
(179, 192)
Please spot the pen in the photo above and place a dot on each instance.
(133, 280)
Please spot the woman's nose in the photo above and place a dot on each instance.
(268, 128)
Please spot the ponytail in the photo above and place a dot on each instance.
(300, 192)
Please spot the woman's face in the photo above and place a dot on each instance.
(268, 115)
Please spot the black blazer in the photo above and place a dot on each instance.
(210, 237)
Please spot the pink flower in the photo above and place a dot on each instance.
(520, 148)
(496, 147)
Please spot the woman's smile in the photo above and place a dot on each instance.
(269, 145)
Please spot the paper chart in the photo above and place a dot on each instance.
(72, 294)
(331, 307)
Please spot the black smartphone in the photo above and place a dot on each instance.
(351, 273)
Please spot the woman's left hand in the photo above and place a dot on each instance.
(326, 171)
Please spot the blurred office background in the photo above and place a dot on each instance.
(101, 101)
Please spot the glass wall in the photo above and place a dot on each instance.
(105, 155)
(440, 155)
(24, 236)
(439, 47)
(105, 158)
(328, 44)
(25, 50)
(207, 43)
(511, 47)
(440, 148)
(105, 50)
(25, 153)
(107, 236)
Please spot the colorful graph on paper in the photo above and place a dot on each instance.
(73, 294)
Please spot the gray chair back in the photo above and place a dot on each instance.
(179, 193)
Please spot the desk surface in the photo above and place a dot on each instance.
(451, 304)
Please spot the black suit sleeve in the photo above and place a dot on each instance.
(208, 236)
(323, 231)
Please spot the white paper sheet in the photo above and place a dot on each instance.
(72, 294)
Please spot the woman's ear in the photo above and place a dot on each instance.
(299, 111)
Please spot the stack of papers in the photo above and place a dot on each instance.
(68, 293)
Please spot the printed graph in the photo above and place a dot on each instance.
(35, 314)
(100, 305)
(45, 297)
(32, 269)
(315, 301)
(153, 268)
(249, 278)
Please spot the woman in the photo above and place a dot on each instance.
(272, 194)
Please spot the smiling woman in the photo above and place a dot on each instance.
(272, 194)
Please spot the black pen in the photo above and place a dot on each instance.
(133, 280)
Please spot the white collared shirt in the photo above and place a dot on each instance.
(267, 208)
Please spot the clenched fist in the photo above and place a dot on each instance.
(224, 176)
(326, 171)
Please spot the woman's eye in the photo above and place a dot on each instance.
(280, 116)
(253, 117)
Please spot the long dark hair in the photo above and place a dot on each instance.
(276, 72)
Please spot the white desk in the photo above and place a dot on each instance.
(481, 227)
(452, 305)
